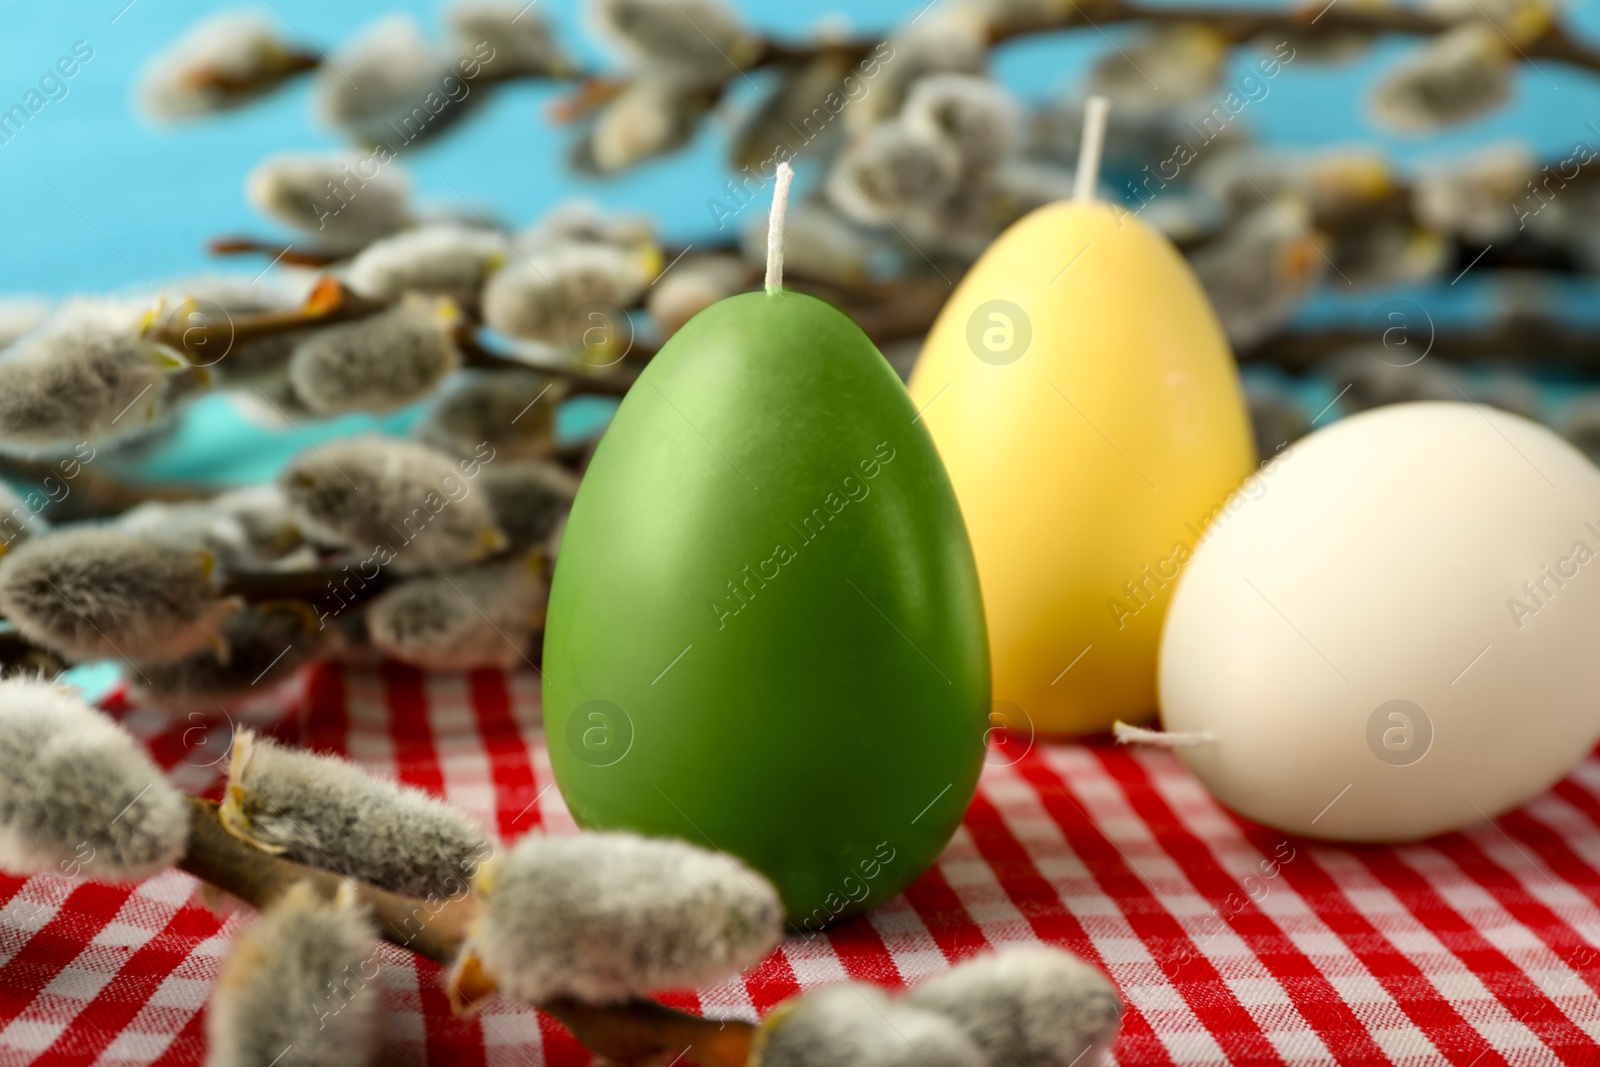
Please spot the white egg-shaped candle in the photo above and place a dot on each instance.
(1393, 629)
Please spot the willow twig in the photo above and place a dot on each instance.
(637, 1033)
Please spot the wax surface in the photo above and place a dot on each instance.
(1392, 635)
(765, 631)
(1088, 410)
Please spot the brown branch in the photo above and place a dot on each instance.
(638, 1033)
(240, 245)
(1514, 340)
(330, 302)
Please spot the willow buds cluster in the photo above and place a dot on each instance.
(543, 298)
(78, 793)
(1020, 1007)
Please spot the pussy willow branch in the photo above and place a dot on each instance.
(332, 302)
(638, 1033)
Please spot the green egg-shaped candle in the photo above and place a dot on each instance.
(765, 631)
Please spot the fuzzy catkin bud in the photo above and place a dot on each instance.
(484, 617)
(520, 40)
(890, 171)
(691, 287)
(1165, 66)
(529, 500)
(698, 39)
(266, 644)
(101, 593)
(977, 117)
(1455, 77)
(224, 62)
(583, 222)
(77, 793)
(513, 411)
(345, 202)
(440, 258)
(1026, 1006)
(606, 916)
(544, 298)
(655, 113)
(391, 87)
(858, 1025)
(300, 987)
(328, 813)
(85, 373)
(402, 501)
(379, 363)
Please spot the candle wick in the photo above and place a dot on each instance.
(1094, 139)
(780, 207)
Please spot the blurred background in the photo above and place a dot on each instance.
(95, 197)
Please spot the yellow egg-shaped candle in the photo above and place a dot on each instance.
(1087, 407)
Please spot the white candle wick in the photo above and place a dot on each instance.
(1094, 139)
(780, 206)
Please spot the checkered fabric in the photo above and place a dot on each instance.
(1229, 943)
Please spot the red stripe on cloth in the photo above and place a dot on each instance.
(1559, 936)
(1553, 848)
(516, 786)
(1207, 994)
(1432, 1014)
(449, 1039)
(945, 917)
(82, 915)
(1344, 1035)
(1520, 996)
(771, 982)
(188, 1046)
(324, 720)
(116, 1004)
(1042, 909)
(862, 953)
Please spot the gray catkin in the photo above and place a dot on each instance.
(892, 170)
(512, 411)
(266, 643)
(858, 1025)
(1026, 1006)
(100, 593)
(300, 988)
(441, 258)
(328, 813)
(529, 500)
(545, 298)
(340, 200)
(522, 41)
(77, 793)
(403, 501)
(606, 916)
(379, 363)
(482, 617)
(975, 115)
(85, 373)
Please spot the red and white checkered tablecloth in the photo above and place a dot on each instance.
(1229, 943)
